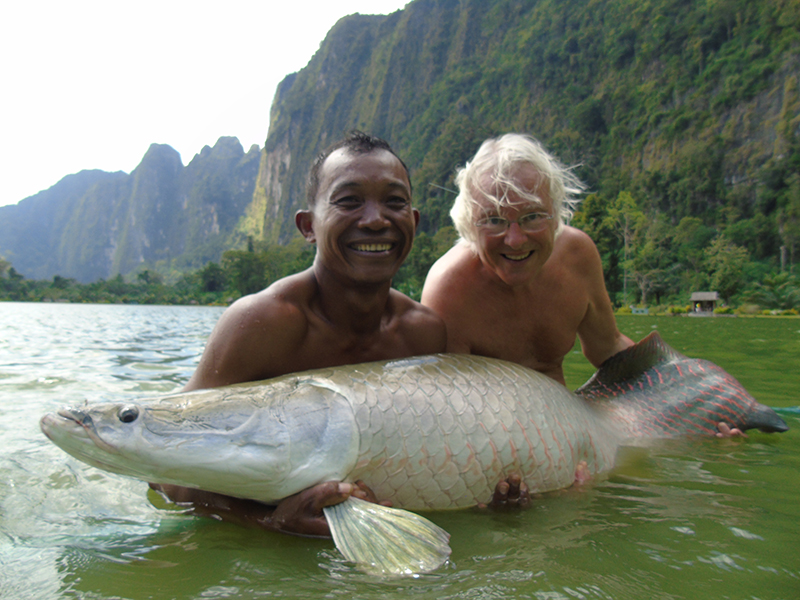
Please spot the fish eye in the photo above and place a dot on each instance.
(128, 414)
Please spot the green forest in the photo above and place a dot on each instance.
(682, 117)
(663, 106)
(752, 287)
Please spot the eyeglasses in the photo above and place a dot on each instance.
(529, 223)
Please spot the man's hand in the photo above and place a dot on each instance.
(300, 514)
(510, 492)
(726, 432)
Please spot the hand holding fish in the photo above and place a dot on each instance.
(508, 493)
(430, 432)
(302, 514)
(725, 431)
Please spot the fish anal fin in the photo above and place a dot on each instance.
(384, 541)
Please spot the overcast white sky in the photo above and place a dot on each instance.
(91, 84)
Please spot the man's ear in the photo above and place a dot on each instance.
(416, 218)
(304, 219)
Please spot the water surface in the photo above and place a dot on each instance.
(678, 519)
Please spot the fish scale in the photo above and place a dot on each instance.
(434, 432)
(670, 395)
(463, 427)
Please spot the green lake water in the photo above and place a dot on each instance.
(701, 518)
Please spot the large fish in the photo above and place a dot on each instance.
(431, 432)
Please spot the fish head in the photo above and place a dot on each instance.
(192, 444)
(263, 442)
(100, 435)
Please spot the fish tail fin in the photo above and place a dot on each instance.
(386, 541)
(765, 419)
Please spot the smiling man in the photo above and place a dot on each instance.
(342, 310)
(520, 284)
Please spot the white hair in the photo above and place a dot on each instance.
(499, 158)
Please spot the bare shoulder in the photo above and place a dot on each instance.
(256, 334)
(283, 302)
(451, 261)
(424, 329)
(575, 250)
(450, 291)
(575, 240)
(447, 276)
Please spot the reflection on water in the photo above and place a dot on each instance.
(56, 515)
(674, 519)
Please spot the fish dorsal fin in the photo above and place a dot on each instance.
(629, 364)
(387, 542)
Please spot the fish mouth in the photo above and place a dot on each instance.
(75, 419)
(518, 257)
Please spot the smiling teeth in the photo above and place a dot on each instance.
(517, 257)
(373, 247)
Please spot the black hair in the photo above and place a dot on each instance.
(355, 142)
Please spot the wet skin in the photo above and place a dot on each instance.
(340, 311)
(363, 222)
(520, 295)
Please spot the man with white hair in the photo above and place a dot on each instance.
(521, 284)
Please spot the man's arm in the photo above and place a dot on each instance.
(600, 338)
(300, 514)
(442, 294)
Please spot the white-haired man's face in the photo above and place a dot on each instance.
(516, 239)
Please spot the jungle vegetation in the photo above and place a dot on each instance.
(681, 116)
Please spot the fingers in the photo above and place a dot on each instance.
(301, 514)
(582, 473)
(512, 491)
(524, 497)
(725, 431)
(334, 492)
(514, 482)
(501, 493)
(364, 492)
(328, 494)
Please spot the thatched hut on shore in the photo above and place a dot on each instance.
(704, 301)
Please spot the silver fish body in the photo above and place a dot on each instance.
(432, 432)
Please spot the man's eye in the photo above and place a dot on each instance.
(494, 221)
(397, 202)
(347, 202)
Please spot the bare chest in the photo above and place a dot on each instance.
(536, 330)
(332, 347)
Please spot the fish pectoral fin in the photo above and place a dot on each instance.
(387, 542)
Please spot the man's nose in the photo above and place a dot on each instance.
(373, 216)
(514, 236)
